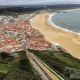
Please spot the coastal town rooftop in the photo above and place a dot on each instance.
(19, 35)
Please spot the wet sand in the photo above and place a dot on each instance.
(68, 40)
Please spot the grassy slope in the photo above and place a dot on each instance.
(21, 69)
(6, 62)
(63, 63)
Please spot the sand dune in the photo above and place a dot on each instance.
(70, 41)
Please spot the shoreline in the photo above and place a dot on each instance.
(68, 40)
(70, 9)
(54, 25)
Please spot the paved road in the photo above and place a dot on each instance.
(43, 71)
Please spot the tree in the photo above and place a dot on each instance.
(4, 55)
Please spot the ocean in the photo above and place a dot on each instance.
(69, 20)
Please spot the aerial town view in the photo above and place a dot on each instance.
(40, 40)
(16, 34)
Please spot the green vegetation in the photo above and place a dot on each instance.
(5, 55)
(15, 11)
(6, 62)
(19, 68)
(63, 63)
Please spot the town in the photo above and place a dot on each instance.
(17, 34)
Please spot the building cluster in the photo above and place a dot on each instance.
(16, 34)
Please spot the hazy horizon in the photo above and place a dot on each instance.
(37, 2)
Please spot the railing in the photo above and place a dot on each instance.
(48, 68)
(49, 78)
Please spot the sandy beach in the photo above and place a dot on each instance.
(68, 40)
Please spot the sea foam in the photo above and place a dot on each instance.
(54, 25)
